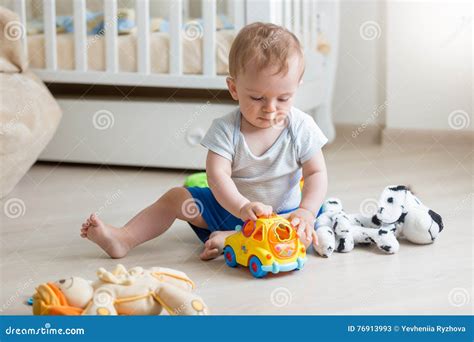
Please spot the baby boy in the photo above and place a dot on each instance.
(256, 156)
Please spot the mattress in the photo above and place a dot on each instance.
(127, 52)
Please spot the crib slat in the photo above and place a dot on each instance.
(20, 9)
(314, 24)
(143, 35)
(288, 17)
(278, 11)
(297, 18)
(176, 51)
(209, 38)
(306, 15)
(49, 14)
(186, 9)
(80, 35)
(238, 10)
(110, 25)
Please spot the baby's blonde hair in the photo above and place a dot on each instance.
(264, 45)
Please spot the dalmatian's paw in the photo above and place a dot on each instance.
(342, 229)
(326, 241)
(386, 240)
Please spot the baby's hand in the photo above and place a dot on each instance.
(303, 220)
(252, 210)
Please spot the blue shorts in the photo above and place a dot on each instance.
(215, 216)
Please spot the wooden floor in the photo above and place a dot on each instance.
(43, 243)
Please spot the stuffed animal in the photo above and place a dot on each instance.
(400, 214)
(339, 231)
(413, 220)
(137, 291)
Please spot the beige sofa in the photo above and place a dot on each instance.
(29, 115)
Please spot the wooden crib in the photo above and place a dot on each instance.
(190, 54)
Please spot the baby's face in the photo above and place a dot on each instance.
(264, 98)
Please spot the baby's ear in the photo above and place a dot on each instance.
(232, 88)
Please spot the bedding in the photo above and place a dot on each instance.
(127, 56)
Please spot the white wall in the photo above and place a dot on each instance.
(429, 64)
(358, 81)
(417, 69)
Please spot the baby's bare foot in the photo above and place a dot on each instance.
(214, 246)
(109, 238)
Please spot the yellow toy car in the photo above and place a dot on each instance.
(269, 244)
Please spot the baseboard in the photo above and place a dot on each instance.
(359, 134)
(376, 135)
(403, 136)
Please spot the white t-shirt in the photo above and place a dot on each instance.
(272, 178)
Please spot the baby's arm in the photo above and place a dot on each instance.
(315, 183)
(314, 191)
(219, 170)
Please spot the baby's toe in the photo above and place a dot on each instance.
(209, 254)
(95, 220)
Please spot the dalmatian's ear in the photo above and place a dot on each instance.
(392, 203)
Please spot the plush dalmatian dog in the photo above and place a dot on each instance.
(339, 231)
(413, 220)
(400, 214)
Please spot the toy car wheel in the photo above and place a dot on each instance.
(255, 267)
(229, 256)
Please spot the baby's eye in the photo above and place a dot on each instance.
(256, 98)
(283, 100)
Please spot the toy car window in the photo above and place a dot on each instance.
(258, 235)
(283, 232)
(248, 228)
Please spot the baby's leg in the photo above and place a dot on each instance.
(146, 225)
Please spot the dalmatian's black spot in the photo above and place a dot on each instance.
(335, 225)
(399, 188)
(401, 219)
(371, 240)
(382, 232)
(437, 218)
(330, 232)
(330, 249)
(345, 231)
(431, 235)
(390, 200)
(386, 248)
(342, 245)
(376, 221)
(333, 202)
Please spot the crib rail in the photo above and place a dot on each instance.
(297, 15)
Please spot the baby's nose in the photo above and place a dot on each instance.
(269, 107)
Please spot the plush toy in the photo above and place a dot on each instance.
(339, 231)
(413, 220)
(137, 291)
(400, 214)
